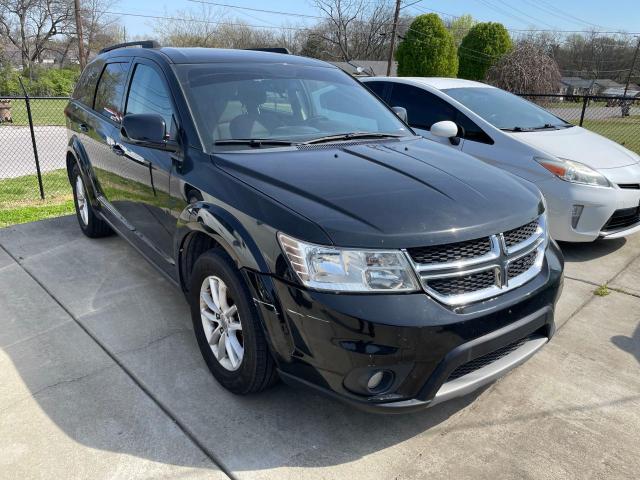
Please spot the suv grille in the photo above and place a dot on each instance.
(521, 265)
(470, 271)
(489, 358)
(622, 218)
(451, 252)
(519, 235)
(465, 284)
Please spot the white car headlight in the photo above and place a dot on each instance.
(571, 171)
(348, 270)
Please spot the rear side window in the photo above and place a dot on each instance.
(423, 108)
(86, 86)
(377, 88)
(149, 94)
(110, 92)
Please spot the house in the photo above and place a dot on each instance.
(373, 68)
(576, 86)
(619, 91)
(602, 84)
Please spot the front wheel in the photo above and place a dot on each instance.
(90, 224)
(227, 327)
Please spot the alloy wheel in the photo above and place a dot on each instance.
(83, 206)
(221, 323)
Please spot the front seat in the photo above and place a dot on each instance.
(248, 125)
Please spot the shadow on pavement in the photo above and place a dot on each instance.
(144, 323)
(629, 344)
(583, 252)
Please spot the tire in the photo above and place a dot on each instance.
(90, 224)
(256, 370)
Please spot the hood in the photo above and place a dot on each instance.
(580, 145)
(393, 195)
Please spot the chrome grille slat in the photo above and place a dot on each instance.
(452, 252)
(458, 277)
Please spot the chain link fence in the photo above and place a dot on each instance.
(33, 140)
(617, 118)
(40, 144)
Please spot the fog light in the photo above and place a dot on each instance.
(375, 380)
(576, 211)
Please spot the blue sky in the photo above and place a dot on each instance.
(522, 14)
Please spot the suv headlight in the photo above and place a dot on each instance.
(349, 270)
(574, 172)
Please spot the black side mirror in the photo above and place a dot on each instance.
(402, 113)
(147, 129)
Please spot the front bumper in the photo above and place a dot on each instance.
(330, 341)
(599, 205)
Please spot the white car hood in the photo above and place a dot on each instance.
(581, 145)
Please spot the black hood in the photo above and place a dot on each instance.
(392, 195)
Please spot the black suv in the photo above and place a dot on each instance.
(316, 238)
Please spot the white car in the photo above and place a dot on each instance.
(591, 184)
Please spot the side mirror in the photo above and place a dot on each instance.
(402, 113)
(145, 128)
(444, 129)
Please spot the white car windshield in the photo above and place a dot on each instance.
(504, 110)
(276, 104)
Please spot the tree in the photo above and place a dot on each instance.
(427, 49)
(528, 68)
(482, 47)
(99, 27)
(459, 27)
(353, 29)
(30, 24)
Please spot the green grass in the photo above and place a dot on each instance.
(43, 112)
(602, 291)
(20, 199)
(625, 131)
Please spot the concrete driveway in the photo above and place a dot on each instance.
(100, 377)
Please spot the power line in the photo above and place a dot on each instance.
(526, 14)
(261, 10)
(423, 9)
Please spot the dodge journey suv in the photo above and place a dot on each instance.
(316, 238)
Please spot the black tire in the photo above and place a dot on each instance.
(257, 370)
(94, 226)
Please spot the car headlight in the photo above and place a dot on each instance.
(349, 270)
(571, 171)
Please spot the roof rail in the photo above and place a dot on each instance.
(272, 50)
(139, 43)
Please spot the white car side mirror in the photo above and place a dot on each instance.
(444, 129)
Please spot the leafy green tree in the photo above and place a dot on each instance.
(459, 27)
(481, 48)
(427, 50)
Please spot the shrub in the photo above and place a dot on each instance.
(481, 48)
(428, 49)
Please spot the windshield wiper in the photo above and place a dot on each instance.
(253, 142)
(351, 136)
(516, 129)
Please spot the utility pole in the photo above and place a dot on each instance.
(79, 35)
(393, 37)
(633, 66)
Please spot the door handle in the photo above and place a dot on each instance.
(83, 127)
(118, 150)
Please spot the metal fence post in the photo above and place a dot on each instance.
(33, 139)
(585, 101)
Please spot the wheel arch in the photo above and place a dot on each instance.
(204, 226)
(77, 155)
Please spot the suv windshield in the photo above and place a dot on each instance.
(504, 110)
(273, 104)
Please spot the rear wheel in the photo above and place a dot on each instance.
(90, 224)
(227, 327)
